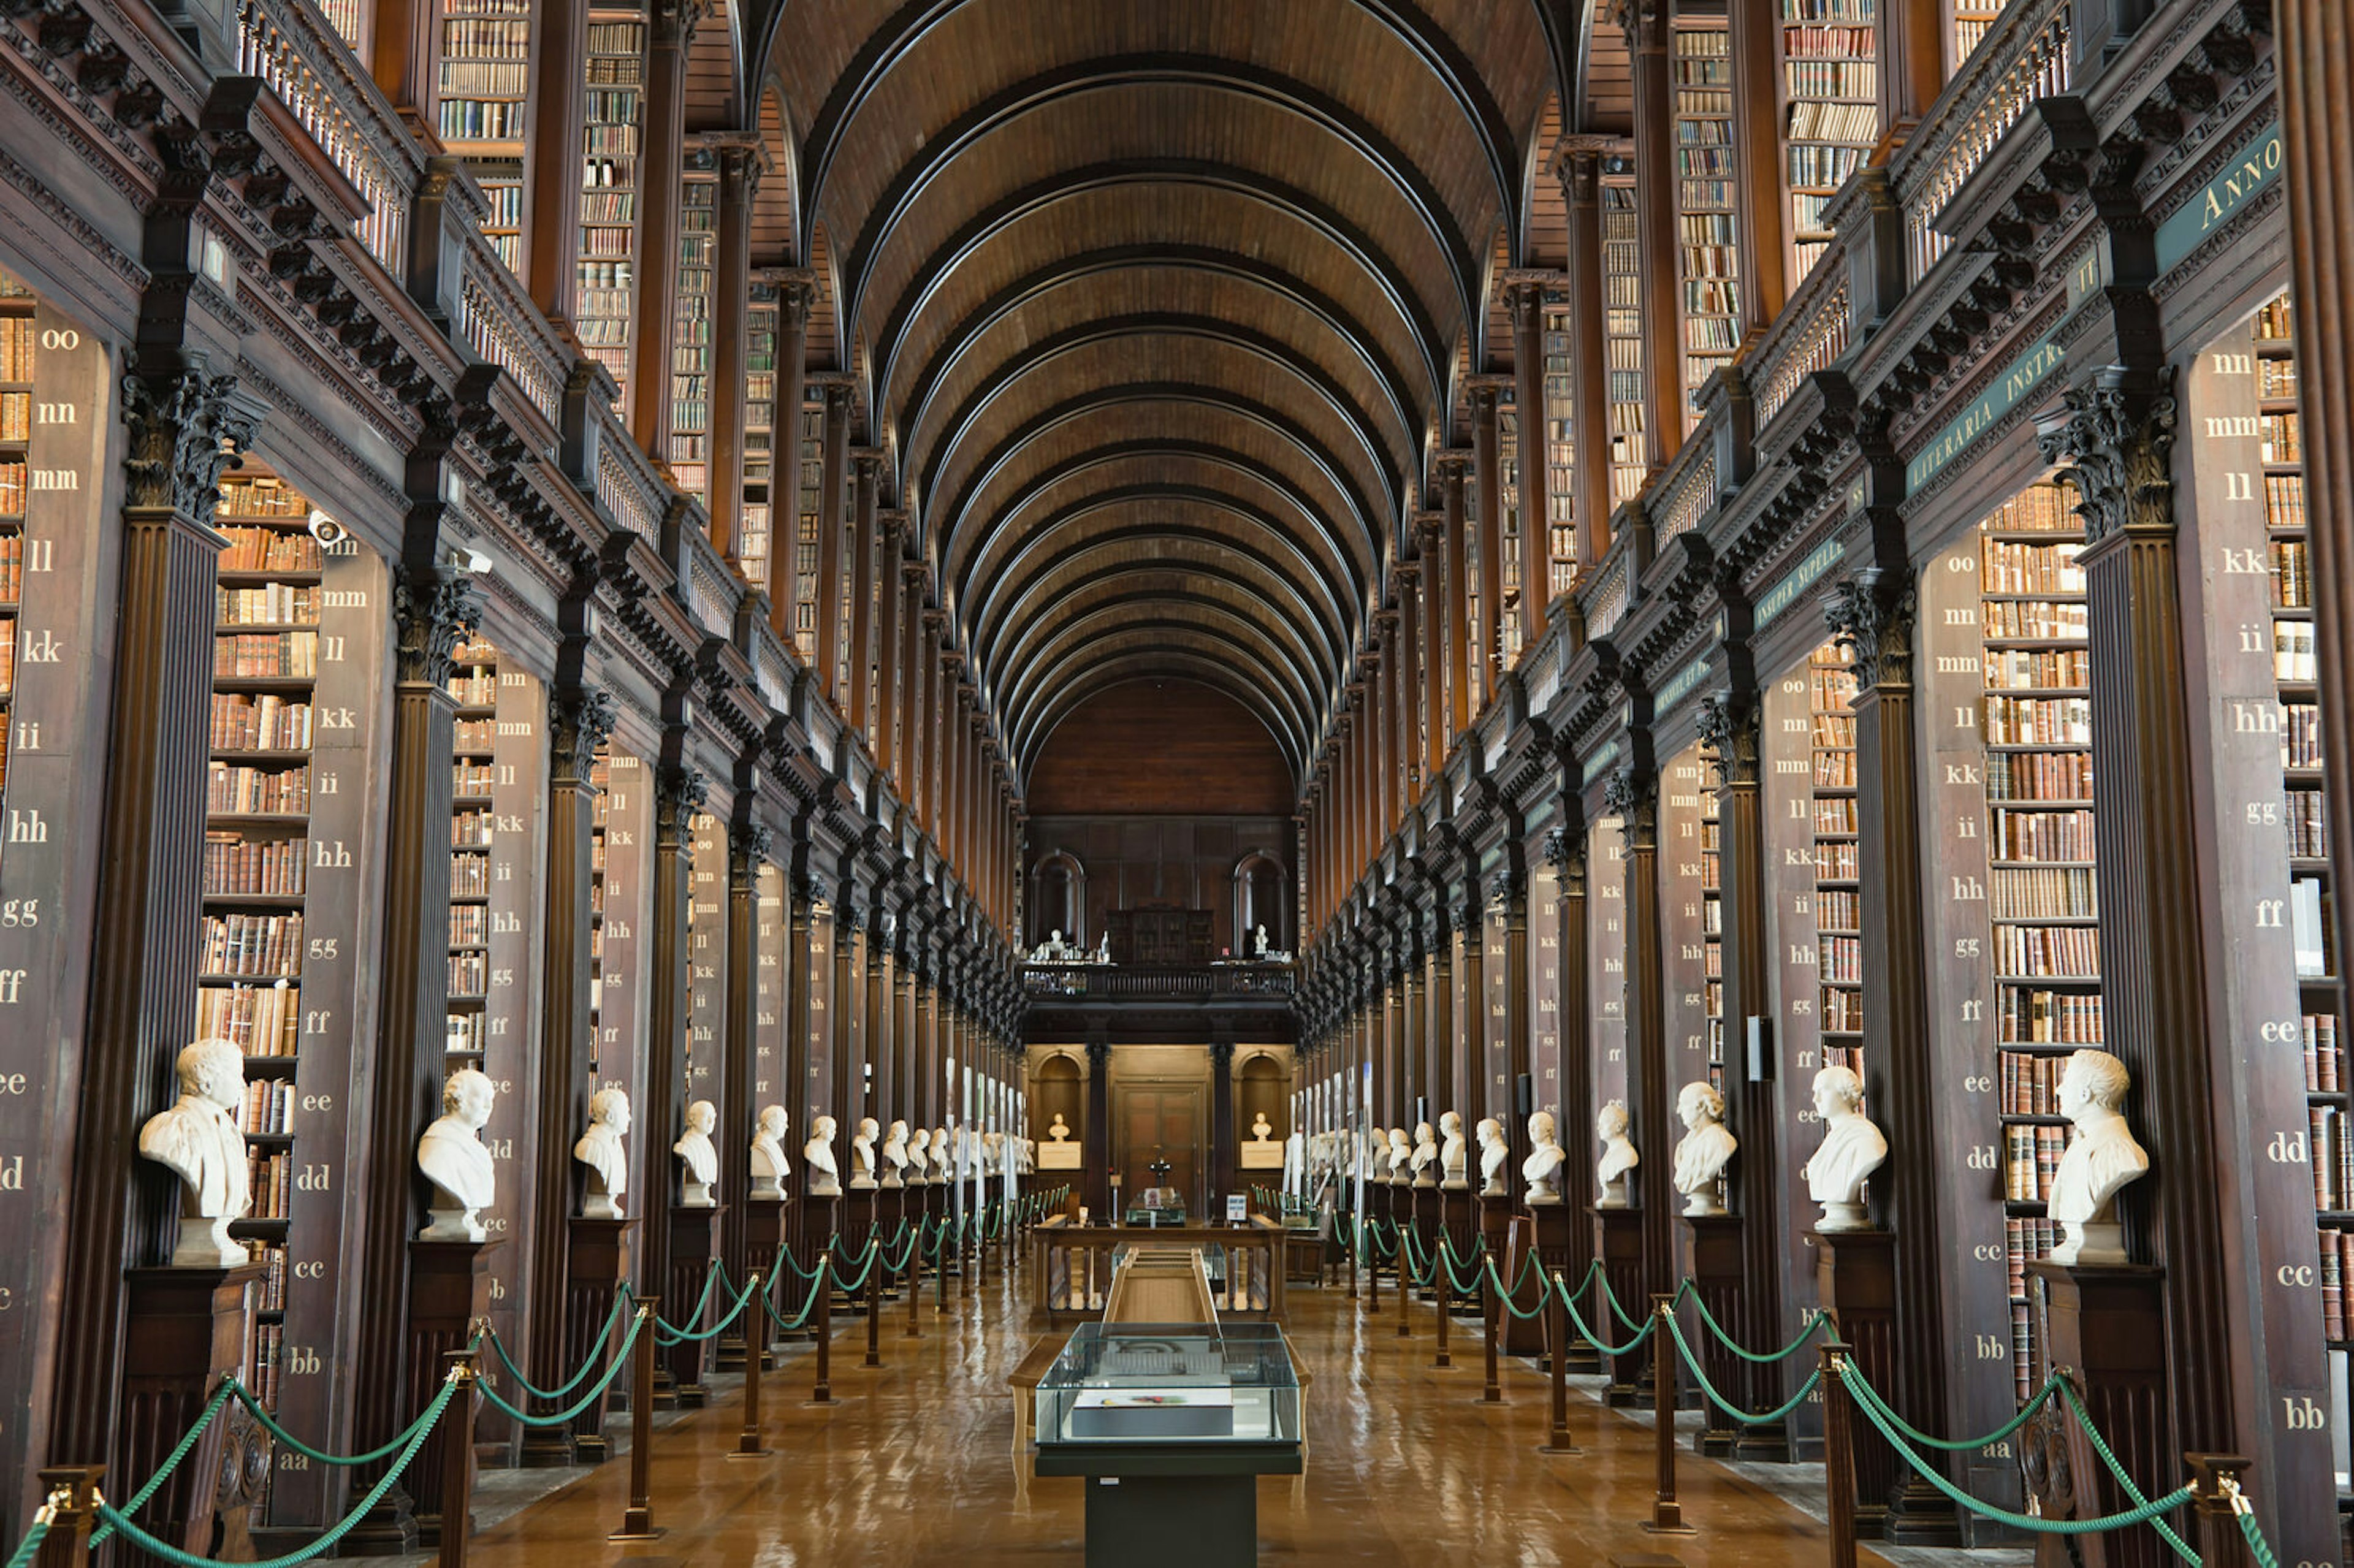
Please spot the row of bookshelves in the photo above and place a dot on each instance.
(235, 865)
(250, 946)
(262, 1020)
(236, 790)
(268, 1108)
(2044, 892)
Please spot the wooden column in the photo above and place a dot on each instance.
(1912, 63)
(882, 1039)
(661, 160)
(1632, 797)
(849, 1090)
(939, 677)
(913, 696)
(1221, 1115)
(1384, 715)
(1589, 384)
(121, 1211)
(889, 655)
(552, 158)
(1430, 533)
(1097, 1132)
(1513, 891)
(1572, 1100)
(741, 165)
(794, 297)
(1872, 613)
(747, 851)
(1647, 25)
(403, 55)
(833, 476)
(1409, 1033)
(1471, 1054)
(1753, 26)
(1438, 1084)
(1488, 658)
(867, 464)
(1405, 676)
(580, 719)
(679, 793)
(1526, 297)
(1461, 703)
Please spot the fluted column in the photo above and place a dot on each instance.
(1633, 798)
(661, 159)
(1453, 471)
(1526, 298)
(1648, 25)
(867, 464)
(742, 164)
(889, 651)
(1574, 1102)
(793, 299)
(1488, 652)
(1589, 384)
(915, 696)
(833, 476)
(1430, 531)
(1405, 678)
(553, 156)
(1753, 35)
(679, 793)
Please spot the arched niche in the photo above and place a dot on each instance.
(1058, 898)
(1059, 1086)
(1263, 1083)
(1262, 896)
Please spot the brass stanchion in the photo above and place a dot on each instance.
(1839, 1454)
(1557, 1371)
(756, 1352)
(823, 1393)
(72, 1494)
(1667, 1514)
(2218, 1508)
(458, 1458)
(638, 1520)
(1491, 1328)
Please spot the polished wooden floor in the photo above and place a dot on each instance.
(914, 1464)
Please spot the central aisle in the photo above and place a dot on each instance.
(914, 1464)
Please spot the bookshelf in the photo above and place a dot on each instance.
(1560, 451)
(1508, 491)
(707, 946)
(609, 193)
(600, 774)
(1830, 111)
(1684, 802)
(475, 687)
(2037, 723)
(18, 337)
(1971, 20)
(618, 846)
(768, 992)
(811, 484)
(1622, 340)
(759, 434)
(484, 81)
(1708, 246)
(1712, 934)
(1837, 897)
(691, 340)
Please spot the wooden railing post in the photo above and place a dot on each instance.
(1667, 1514)
(822, 1393)
(2220, 1503)
(638, 1520)
(1438, 1267)
(756, 1351)
(1491, 1328)
(1404, 1287)
(874, 1302)
(1367, 1237)
(912, 1280)
(1839, 1453)
(1557, 1371)
(72, 1495)
(458, 1458)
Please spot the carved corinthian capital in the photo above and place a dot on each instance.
(580, 722)
(433, 616)
(2119, 432)
(1872, 617)
(186, 428)
(1728, 727)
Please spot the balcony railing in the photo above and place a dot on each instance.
(1157, 982)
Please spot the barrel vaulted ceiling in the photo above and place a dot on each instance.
(1158, 307)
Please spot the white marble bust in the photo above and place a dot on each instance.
(1025, 1155)
(699, 1156)
(1619, 1156)
(1852, 1149)
(2101, 1160)
(824, 1175)
(895, 1155)
(1258, 941)
(455, 1164)
(1452, 1160)
(1706, 1149)
(769, 1166)
(1400, 1154)
(199, 1140)
(1262, 1130)
(1424, 1162)
(1493, 1154)
(992, 1154)
(1060, 1132)
(919, 1159)
(944, 1156)
(1542, 1169)
(862, 1153)
(601, 1148)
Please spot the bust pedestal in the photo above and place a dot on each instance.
(598, 1262)
(1619, 1246)
(2107, 1322)
(183, 1330)
(1715, 1241)
(448, 1289)
(854, 1217)
(1855, 1279)
(1458, 1217)
(1422, 1208)
(693, 1243)
(1514, 1249)
(765, 1229)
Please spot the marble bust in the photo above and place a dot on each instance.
(1258, 941)
(944, 1156)
(862, 1153)
(919, 1161)
(992, 1154)
(895, 1155)
(1707, 1147)
(1451, 1152)
(1619, 1156)
(824, 1175)
(2102, 1159)
(1060, 1131)
(769, 1166)
(199, 1140)
(1261, 1128)
(700, 1157)
(601, 1148)
(455, 1164)
(1424, 1160)
(1400, 1154)
(1493, 1152)
(1542, 1169)
(1852, 1149)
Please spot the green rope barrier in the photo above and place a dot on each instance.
(270, 1423)
(1504, 1295)
(1675, 1331)
(1868, 1400)
(710, 1283)
(130, 1530)
(698, 1336)
(30, 1546)
(515, 1372)
(172, 1462)
(871, 1252)
(1650, 1325)
(2043, 1396)
(2258, 1547)
(809, 1305)
(621, 1360)
(2134, 1493)
(1725, 1339)
(1478, 1255)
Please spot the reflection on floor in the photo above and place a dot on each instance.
(912, 1465)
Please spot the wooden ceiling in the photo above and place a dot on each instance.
(1159, 308)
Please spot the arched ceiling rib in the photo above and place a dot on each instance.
(1159, 308)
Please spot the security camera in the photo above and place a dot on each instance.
(326, 530)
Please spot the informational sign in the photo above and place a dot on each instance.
(1237, 1208)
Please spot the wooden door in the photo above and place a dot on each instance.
(1161, 1121)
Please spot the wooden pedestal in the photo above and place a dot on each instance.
(1618, 1245)
(1422, 1208)
(1716, 1276)
(598, 1263)
(1523, 1336)
(1458, 1218)
(767, 1222)
(449, 1293)
(853, 1216)
(693, 1243)
(1855, 1279)
(186, 1330)
(2107, 1325)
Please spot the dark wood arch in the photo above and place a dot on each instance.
(1173, 666)
(1084, 633)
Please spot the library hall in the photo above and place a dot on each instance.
(1176, 783)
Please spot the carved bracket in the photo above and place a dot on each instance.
(2119, 432)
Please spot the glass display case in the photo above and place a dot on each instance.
(1152, 1383)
